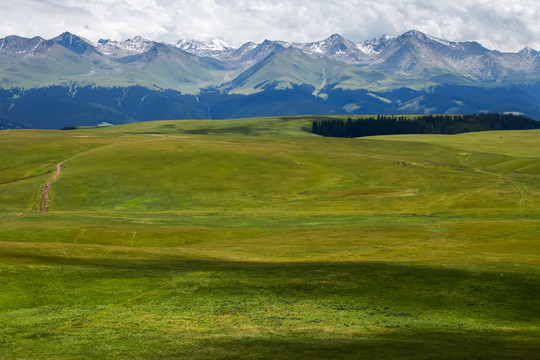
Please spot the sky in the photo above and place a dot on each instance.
(505, 25)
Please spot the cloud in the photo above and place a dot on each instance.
(497, 24)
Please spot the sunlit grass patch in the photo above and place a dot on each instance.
(254, 239)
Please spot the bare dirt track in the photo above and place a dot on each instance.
(47, 188)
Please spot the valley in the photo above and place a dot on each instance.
(254, 238)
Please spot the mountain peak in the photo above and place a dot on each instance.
(64, 34)
(332, 39)
(335, 36)
(414, 33)
(138, 38)
(21, 46)
(334, 45)
(418, 38)
(73, 42)
(70, 36)
(269, 45)
(528, 51)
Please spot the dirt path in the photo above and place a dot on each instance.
(16, 217)
(47, 188)
(523, 199)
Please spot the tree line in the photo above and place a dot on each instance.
(425, 124)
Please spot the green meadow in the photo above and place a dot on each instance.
(254, 239)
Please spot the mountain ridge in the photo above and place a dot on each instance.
(412, 55)
(333, 75)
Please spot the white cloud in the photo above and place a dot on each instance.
(498, 24)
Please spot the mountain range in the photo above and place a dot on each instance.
(410, 73)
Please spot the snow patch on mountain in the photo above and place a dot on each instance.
(35, 47)
(376, 45)
(23, 47)
(443, 42)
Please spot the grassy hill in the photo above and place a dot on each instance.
(255, 239)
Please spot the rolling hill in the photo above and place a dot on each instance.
(255, 238)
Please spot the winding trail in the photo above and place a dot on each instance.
(47, 188)
(523, 200)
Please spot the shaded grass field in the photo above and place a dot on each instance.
(255, 239)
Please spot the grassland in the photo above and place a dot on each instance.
(254, 239)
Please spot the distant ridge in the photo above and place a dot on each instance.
(412, 59)
(328, 68)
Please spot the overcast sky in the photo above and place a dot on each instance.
(506, 25)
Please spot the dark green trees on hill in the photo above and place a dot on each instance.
(428, 124)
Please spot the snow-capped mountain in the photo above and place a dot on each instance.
(248, 54)
(528, 51)
(215, 48)
(384, 74)
(118, 49)
(335, 47)
(412, 57)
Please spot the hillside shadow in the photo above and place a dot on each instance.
(387, 289)
(395, 345)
